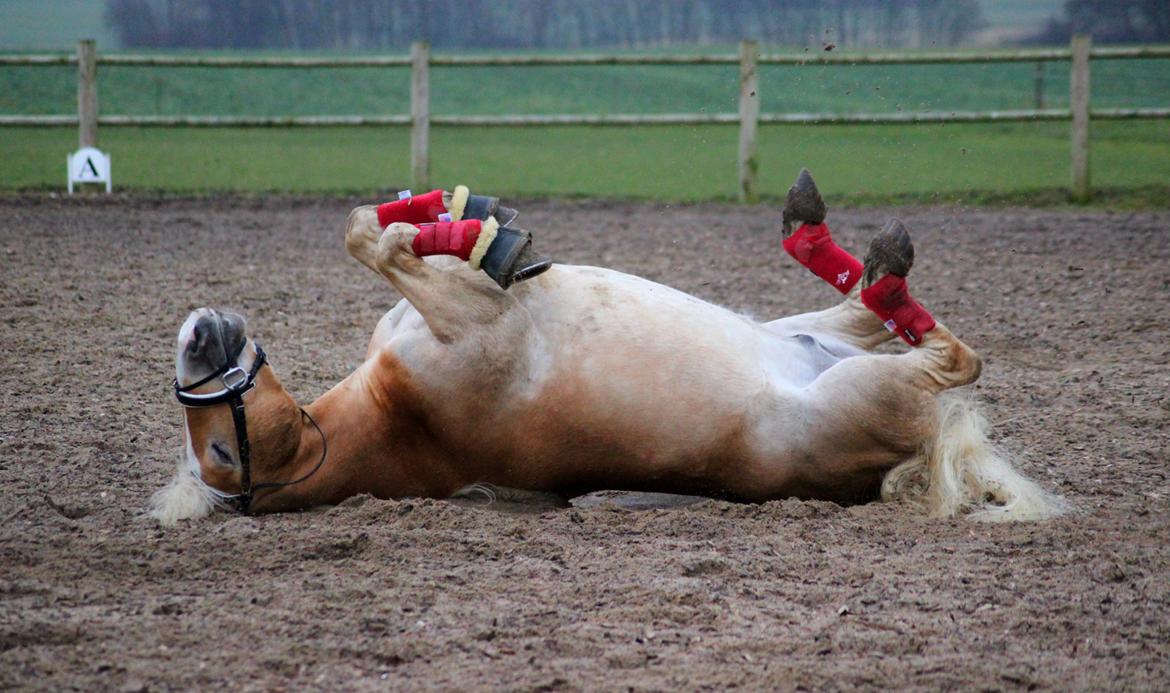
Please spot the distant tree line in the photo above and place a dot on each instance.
(537, 24)
(1110, 21)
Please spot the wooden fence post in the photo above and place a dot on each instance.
(1078, 98)
(87, 109)
(420, 116)
(749, 119)
(1038, 87)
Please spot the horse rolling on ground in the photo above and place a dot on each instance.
(566, 379)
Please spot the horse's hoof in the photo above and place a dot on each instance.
(529, 264)
(890, 252)
(804, 203)
(511, 259)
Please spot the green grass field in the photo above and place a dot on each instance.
(673, 163)
(1020, 163)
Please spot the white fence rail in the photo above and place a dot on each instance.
(1079, 54)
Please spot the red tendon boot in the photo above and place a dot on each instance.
(426, 208)
(503, 253)
(890, 299)
(467, 240)
(813, 247)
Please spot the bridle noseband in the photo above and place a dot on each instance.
(236, 383)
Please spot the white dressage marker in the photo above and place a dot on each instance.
(88, 165)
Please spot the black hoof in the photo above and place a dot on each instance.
(529, 265)
(511, 259)
(482, 206)
(804, 203)
(890, 252)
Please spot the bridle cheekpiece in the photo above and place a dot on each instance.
(236, 383)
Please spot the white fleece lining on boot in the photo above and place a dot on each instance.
(487, 234)
(458, 202)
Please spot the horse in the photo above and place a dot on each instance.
(581, 378)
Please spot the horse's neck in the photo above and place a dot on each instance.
(374, 426)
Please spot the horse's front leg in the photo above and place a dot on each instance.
(452, 299)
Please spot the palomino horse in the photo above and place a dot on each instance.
(582, 379)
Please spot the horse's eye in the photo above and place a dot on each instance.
(222, 455)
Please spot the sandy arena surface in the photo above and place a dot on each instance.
(1070, 310)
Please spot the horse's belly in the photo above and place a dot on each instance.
(619, 379)
(639, 374)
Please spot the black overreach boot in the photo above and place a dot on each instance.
(482, 206)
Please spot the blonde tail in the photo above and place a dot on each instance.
(961, 471)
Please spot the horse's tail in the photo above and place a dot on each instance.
(961, 471)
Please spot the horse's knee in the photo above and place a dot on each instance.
(362, 232)
(395, 243)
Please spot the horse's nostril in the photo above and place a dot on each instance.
(198, 339)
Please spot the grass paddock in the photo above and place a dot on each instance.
(673, 163)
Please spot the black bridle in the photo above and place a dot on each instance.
(237, 382)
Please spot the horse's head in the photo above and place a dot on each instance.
(241, 425)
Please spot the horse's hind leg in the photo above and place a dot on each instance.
(884, 292)
(877, 308)
(808, 240)
(889, 399)
(877, 418)
(875, 410)
(850, 321)
(892, 396)
(940, 356)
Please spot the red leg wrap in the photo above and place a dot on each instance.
(419, 209)
(890, 300)
(813, 247)
(447, 238)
